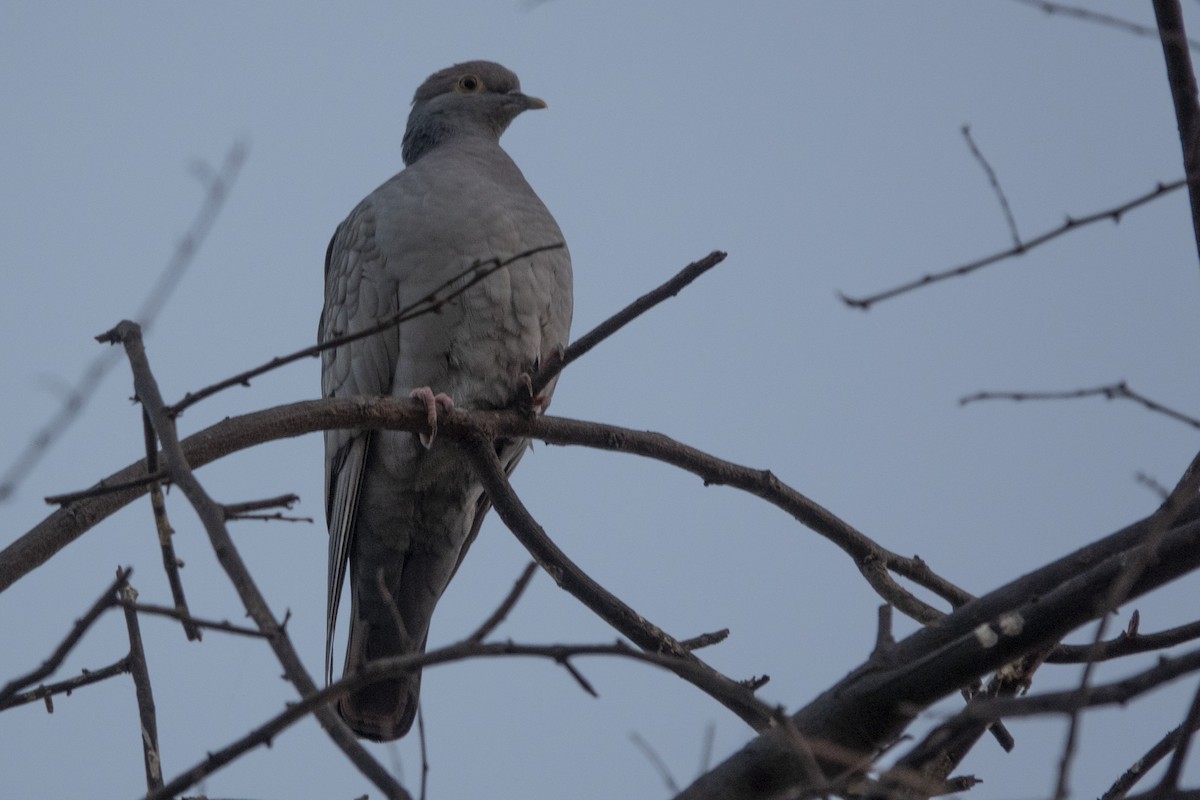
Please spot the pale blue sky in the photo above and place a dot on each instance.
(817, 142)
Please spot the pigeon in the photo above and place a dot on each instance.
(403, 509)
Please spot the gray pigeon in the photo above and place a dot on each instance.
(402, 510)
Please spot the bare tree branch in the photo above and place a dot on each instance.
(213, 519)
(106, 600)
(1157, 752)
(1125, 645)
(626, 315)
(1157, 794)
(140, 671)
(237, 433)
(502, 611)
(238, 509)
(1170, 778)
(105, 487)
(49, 690)
(656, 761)
(936, 660)
(166, 533)
(1070, 701)
(734, 696)
(1103, 19)
(175, 613)
(391, 667)
(429, 304)
(1072, 223)
(1182, 80)
(995, 183)
(1111, 391)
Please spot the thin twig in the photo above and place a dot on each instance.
(49, 690)
(1110, 391)
(1072, 223)
(282, 501)
(1157, 752)
(1068, 701)
(1081, 697)
(502, 611)
(1170, 778)
(166, 533)
(106, 600)
(424, 750)
(706, 748)
(656, 761)
(996, 188)
(243, 511)
(705, 639)
(429, 304)
(276, 517)
(1125, 645)
(140, 671)
(1152, 484)
(1103, 19)
(103, 488)
(623, 317)
(174, 613)
(584, 683)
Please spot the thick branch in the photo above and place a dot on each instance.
(875, 703)
(1182, 79)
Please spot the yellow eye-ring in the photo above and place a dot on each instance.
(470, 84)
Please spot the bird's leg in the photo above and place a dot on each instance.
(431, 402)
(527, 402)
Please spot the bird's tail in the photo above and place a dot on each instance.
(383, 710)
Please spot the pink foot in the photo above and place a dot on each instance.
(431, 402)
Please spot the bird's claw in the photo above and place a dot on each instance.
(431, 402)
(528, 403)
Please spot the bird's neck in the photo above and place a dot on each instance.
(431, 130)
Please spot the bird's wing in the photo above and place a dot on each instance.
(356, 298)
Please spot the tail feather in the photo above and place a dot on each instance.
(383, 710)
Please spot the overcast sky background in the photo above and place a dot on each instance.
(818, 142)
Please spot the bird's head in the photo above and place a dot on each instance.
(475, 97)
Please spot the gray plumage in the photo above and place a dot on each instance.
(400, 514)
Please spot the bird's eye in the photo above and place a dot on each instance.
(470, 84)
